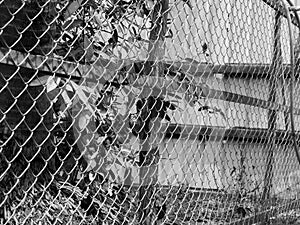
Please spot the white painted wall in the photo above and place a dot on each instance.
(211, 165)
(237, 115)
(236, 32)
(216, 165)
(296, 2)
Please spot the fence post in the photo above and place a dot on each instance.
(149, 155)
(272, 115)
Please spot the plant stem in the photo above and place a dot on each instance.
(149, 155)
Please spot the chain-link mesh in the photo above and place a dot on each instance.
(148, 112)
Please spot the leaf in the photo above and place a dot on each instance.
(126, 90)
(212, 110)
(80, 93)
(170, 106)
(204, 48)
(202, 90)
(112, 175)
(134, 31)
(39, 81)
(72, 8)
(75, 54)
(188, 2)
(120, 54)
(111, 65)
(126, 47)
(119, 161)
(117, 103)
(92, 3)
(189, 98)
(131, 100)
(167, 117)
(69, 87)
(125, 150)
(221, 112)
(70, 24)
(175, 96)
(170, 34)
(192, 60)
(114, 38)
(75, 5)
(89, 48)
(52, 83)
(205, 107)
(66, 99)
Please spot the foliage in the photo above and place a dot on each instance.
(68, 204)
(98, 32)
(85, 199)
(94, 28)
(148, 109)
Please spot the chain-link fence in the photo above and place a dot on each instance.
(149, 112)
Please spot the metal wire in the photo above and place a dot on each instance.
(148, 112)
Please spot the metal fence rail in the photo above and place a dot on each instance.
(149, 112)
